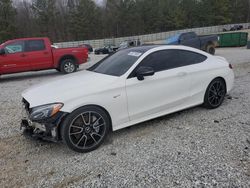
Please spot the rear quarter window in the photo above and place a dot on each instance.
(34, 45)
(189, 58)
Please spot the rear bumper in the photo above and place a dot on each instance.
(230, 81)
(84, 61)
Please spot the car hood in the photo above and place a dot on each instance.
(67, 88)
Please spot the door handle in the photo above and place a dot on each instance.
(45, 53)
(182, 74)
(23, 55)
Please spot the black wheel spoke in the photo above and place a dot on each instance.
(91, 135)
(98, 126)
(211, 97)
(96, 121)
(77, 127)
(96, 134)
(221, 93)
(83, 120)
(89, 118)
(83, 136)
(76, 133)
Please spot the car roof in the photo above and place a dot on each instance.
(155, 47)
(144, 48)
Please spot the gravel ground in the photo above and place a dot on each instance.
(234, 55)
(192, 148)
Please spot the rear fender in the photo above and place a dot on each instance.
(68, 56)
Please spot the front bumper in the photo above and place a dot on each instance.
(48, 129)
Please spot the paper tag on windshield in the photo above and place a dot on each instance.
(135, 54)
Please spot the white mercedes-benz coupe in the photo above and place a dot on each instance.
(131, 86)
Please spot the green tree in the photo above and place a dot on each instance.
(7, 20)
(46, 15)
(83, 20)
(65, 20)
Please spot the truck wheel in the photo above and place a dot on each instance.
(58, 69)
(210, 49)
(68, 66)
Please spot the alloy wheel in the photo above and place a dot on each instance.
(87, 130)
(216, 93)
(69, 67)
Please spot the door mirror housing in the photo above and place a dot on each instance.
(144, 71)
(2, 51)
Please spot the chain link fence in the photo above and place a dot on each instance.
(150, 37)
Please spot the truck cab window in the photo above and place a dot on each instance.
(34, 45)
(15, 47)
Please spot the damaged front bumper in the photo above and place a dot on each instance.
(48, 129)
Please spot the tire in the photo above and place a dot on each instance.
(58, 70)
(68, 66)
(215, 94)
(210, 49)
(82, 135)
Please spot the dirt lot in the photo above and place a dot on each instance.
(192, 148)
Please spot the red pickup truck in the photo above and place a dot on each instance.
(33, 54)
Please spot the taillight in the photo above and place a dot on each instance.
(230, 66)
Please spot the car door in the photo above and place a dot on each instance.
(14, 58)
(166, 90)
(38, 55)
(198, 74)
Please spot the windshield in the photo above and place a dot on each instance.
(173, 39)
(118, 63)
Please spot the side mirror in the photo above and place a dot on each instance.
(2, 51)
(144, 71)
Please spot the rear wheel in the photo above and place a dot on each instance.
(85, 129)
(215, 94)
(210, 49)
(68, 66)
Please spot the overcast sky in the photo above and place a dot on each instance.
(99, 2)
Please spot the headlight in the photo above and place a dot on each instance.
(44, 112)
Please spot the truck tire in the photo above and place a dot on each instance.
(68, 66)
(58, 69)
(210, 49)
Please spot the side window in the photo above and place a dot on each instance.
(190, 58)
(183, 37)
(170, 59)
(34, 45)
(14, 47)
(191, 35)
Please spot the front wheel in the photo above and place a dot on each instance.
(68, 66)
(85, 129)
(215, 94)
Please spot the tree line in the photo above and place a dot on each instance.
(71, 20)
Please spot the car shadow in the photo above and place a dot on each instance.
(148, 125)
(28, 75)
